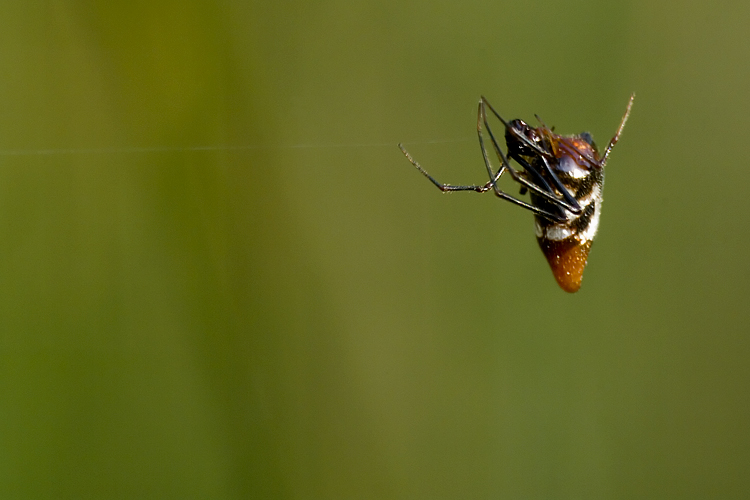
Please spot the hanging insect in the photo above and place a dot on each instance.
(564, 176)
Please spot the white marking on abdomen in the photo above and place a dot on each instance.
(558, 232)
(538, 229)
(595, 194)
(589, 233)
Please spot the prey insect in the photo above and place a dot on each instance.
(564, 177)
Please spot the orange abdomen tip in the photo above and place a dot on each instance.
(567, 258)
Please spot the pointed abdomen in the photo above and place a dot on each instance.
(567, 259)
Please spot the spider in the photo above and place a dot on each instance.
(564, 176)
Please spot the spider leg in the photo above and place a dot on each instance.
(619, 130)
(482, 118)
(447, 187)
(491, 184)
(569, 203)
(525, 140)
(572, 205)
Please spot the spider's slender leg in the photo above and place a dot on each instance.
(534, 173)
(504, 163)
(619, 131)
(545, 190)
(480, 189)
(573, 204)
(504, 159)
(482, 118)
(569, 203)
(525, 140)
(446, 187)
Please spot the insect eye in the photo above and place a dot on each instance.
(586, 136)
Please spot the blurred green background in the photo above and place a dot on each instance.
(221, 279)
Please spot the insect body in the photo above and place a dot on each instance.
(564, 176)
